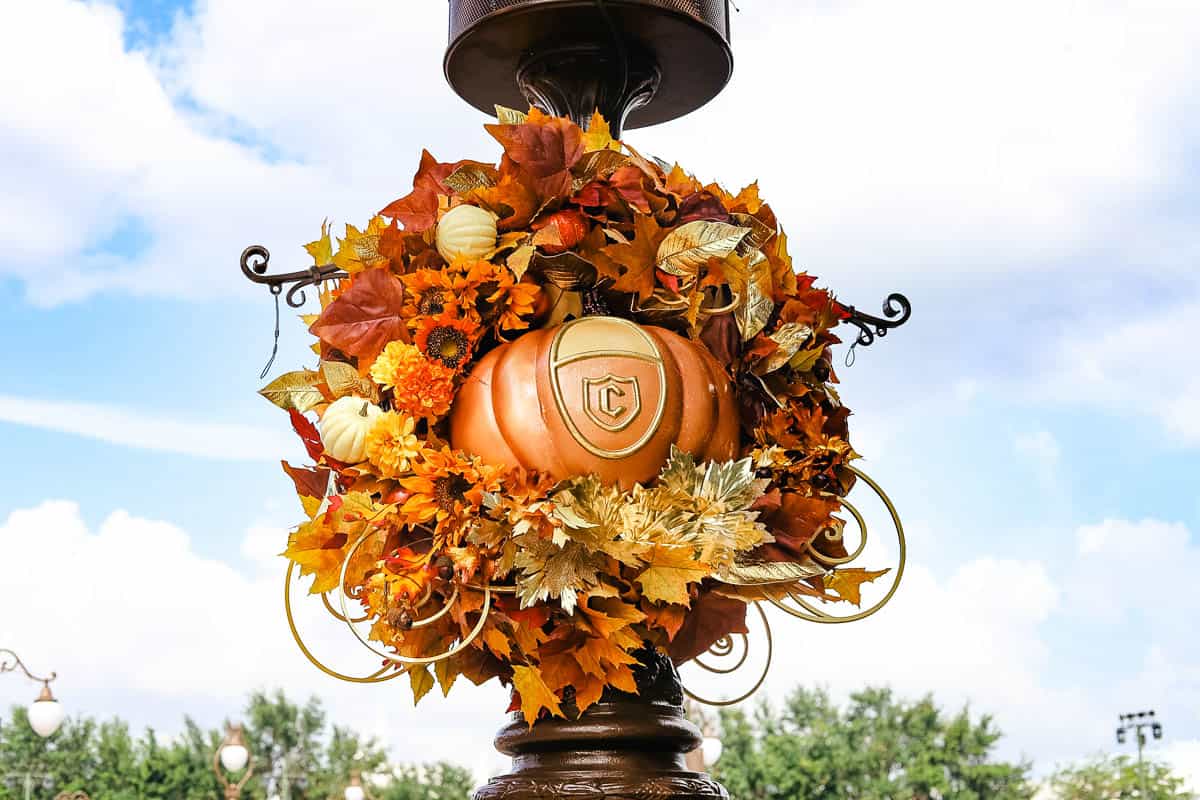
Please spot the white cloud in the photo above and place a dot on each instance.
(1184, 757)
(1043, 453)
(148, 431)
(1002, 137)
(1132, 365)
(138, 624)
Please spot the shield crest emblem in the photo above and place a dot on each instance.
(609, 384)
(612, 402)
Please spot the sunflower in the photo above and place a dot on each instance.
(511, 301)
(420, 387)
(446, 486)
(392, 445)
(433, 292)
(447, 338)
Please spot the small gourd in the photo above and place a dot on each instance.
(466, 232)
(344, 428)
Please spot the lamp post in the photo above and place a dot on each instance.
(1136, 722)
(46, 714)
(355, 790)
(27, 780)
(233, 755)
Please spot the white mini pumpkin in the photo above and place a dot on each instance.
(344, 428)
(466, 231)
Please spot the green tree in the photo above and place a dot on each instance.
(66, 757)
(440, 781)
(876, 748)
(1109, 778)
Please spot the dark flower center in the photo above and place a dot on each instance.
(431, 302)
(449, 489)
(448, 345)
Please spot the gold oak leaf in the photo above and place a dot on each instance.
(510, 116)
(535, 694)
(296, 390)
(360, 249)
(789, 337)
(670, 571)
(848, 582)
(689, 247)
(343, 379)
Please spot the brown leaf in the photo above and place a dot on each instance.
(366, 316)
(711, 617)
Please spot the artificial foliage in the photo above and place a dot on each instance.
(577, 574)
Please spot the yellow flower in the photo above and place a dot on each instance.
(420, 387)
(391, 444)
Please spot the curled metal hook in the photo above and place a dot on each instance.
(255, 260)
(896, 311)
(724, 647)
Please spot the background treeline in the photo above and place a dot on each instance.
(874, 747)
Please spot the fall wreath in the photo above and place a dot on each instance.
(569, 406)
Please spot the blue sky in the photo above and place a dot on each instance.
(1025, 174)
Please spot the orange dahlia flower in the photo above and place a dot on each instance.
(420, 387)
(446, 486)
(392, 445)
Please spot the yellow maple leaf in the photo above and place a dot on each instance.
(421, 682)
(848, 582)
(322, 249)
(588, 692)
(599, 135)
(670, 571)
(535, 694)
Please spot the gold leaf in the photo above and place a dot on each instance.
(296, 390)
(759, 573)
(343, 379)
(472, 176)
(597, 164)
(760, 232)
(518, 260)
(755, 305)
(567, 271)
(789, 337)
(510, 116)
(688, 247)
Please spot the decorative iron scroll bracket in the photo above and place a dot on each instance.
(255, 259)
(11, 662)
(896, 310)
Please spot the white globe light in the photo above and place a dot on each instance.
(234, 757)
(355, 793)
(711, 747)
(45, 716)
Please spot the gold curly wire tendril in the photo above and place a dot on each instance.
(725, 644)
(813, 614)
(413, 660)
(378, 676)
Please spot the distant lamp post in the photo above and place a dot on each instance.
(45, 713)
(27, 780)
(234, 756)
(1136, 723)
(355, 790)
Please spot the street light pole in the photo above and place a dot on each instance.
(1136, 722)
(27, 779)
(45, 713)
(233, 755)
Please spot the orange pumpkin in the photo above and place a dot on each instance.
(597, 395)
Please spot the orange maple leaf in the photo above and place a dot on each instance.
(534, 693)
(848, 582)
(631, 266)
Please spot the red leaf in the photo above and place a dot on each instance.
(366, 316)
(711, 617)
(417, 210)
(310, 481)
(701, 205)
(309, 435)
